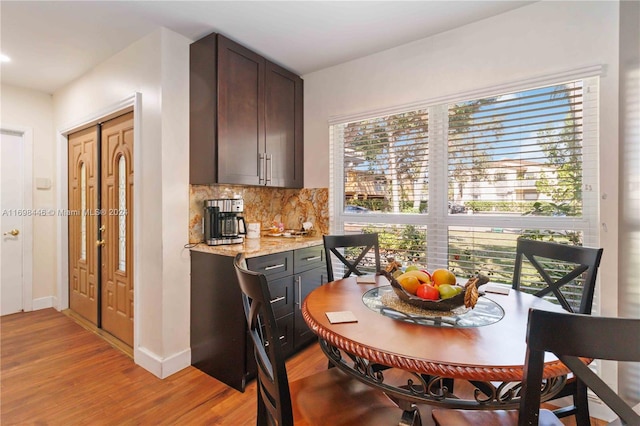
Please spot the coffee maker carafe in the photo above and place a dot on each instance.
(223, 221)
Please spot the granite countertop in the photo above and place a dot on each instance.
(261, 246)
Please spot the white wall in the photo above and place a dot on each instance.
(157, 67)
(31, 109)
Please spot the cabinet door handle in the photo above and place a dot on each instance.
(299, 291)
(268, 268)
(261, 169)
(311, 259)
(269, 171)
(277, 299)
(266, 345)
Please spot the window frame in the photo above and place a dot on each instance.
(437, 219)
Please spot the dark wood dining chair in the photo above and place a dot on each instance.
(363, 244)
(568, 336)
(329, 397)
(557, 267)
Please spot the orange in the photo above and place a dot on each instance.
(443, 276)
(410, 283)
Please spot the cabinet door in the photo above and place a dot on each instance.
(203, 93)
(283, 127)
(303, 285)
(285, 326)
(241, 78)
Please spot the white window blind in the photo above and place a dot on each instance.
(456, 184)
(386, 163)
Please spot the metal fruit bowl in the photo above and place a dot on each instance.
(433, 305)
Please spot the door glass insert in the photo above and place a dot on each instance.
(83, 211)
(122, 209)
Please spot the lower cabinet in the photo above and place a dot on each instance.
(220, 343)
(310, 272)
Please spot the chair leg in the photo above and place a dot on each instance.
(580, 407)
(582, 404)
(263, 417)
(411, 418)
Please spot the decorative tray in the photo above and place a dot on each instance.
(287, 233)
(384, 301)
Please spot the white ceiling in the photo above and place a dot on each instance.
(53, 42)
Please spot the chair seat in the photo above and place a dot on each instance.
(444, 417)
(331, 397)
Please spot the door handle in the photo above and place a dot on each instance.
(277, 299)
(268, 268)
(13, 232)
(100, 243)
(269, 170)
(262, 166)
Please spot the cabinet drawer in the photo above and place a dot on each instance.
(273, 266)
(282, 297)
(308, 258)
(285, 328)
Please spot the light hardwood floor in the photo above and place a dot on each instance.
(55, 372)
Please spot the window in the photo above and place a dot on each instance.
(122, 218)
(456, 184)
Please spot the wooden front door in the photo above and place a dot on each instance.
(83, 224)
(109, 232)
(117, 222)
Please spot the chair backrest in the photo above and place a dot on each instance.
(570, 336)
(559, 265)
(363, 244)
(274, 398)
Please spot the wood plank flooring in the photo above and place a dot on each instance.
(53, 371)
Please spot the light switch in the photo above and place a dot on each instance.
(43, 183)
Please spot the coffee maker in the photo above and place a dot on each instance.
(223, 221)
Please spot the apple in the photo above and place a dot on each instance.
(447, 290)
(428, 292)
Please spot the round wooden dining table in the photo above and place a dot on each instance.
(487, 352)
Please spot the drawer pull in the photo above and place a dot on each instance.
(268, 268)
(277, 299)
(266, 344)
(311, 259)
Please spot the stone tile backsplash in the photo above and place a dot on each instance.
(265, 205)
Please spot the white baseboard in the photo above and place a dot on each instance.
(43, 303)
(160, 367)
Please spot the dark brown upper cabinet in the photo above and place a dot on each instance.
(245, 117)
